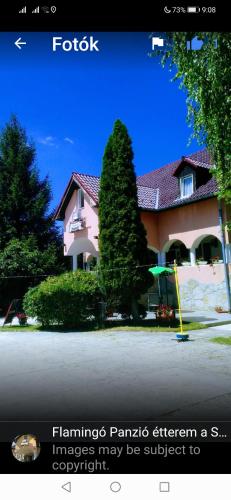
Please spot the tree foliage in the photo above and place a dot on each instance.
(68, 300)
(24, 197)
(205, 75)
(30, 244)
(23, 258)
(122, 237)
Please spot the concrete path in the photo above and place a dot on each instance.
(114, 375)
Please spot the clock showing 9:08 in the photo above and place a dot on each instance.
(209, 10)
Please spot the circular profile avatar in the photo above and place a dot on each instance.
(26, 448)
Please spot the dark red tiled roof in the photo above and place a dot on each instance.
(147, 196)
(157, 190)
(90, 183)
(201, 158)
(164, 179)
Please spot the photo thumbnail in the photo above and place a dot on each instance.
(115, 218)
(25, 448)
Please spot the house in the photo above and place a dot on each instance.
(180, 211)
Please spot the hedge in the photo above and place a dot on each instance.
(69, 299)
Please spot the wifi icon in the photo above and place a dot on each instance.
(35, 11)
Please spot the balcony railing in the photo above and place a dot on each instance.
(77, 223)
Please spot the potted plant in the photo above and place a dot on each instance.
(201, 261)
(186, 263)
(219, 309)
(165, 312)
(216, 260)
(22, 318)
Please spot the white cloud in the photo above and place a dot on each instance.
(67, 139)
(48, 141)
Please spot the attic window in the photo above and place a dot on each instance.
(186, 186)
(80, 199)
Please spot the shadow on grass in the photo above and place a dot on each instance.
(121, 324)
(151, 325)
(148, 325)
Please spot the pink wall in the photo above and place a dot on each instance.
(202, 273)
(150, 221)
(83, 240)
(186, 223)
(189, 222)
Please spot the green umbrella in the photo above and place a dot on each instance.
(158, 271)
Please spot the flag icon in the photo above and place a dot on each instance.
(157, 41)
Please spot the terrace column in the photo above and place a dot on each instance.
(193, 256)
(161, 258)
(228, 253)
(74, 263)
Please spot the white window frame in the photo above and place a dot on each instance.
(79, 192)
(182, 185)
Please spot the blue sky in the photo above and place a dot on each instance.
(68, 102)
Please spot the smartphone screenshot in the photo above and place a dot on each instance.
(115, 251)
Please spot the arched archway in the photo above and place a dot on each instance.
(91, 262)
(81, 245)
(80, 249)
(176, 250)
(208, 249)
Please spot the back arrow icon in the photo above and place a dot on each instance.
(18, 43)
(67, 487)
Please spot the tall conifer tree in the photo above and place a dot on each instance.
(122, 237)
(24, 198)
(30, 243)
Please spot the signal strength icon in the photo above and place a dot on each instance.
(35, 11)
(23, 10)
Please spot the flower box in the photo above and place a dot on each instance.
(165, 313)
(22, 318)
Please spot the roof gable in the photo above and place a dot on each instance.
(157, 190)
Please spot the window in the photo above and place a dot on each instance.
(186, 186)
(80, 198)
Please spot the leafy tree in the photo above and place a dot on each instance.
(23, 258)
(122, 237)
(30, 244)
(205, 75)
(24, 198)
(23, 265)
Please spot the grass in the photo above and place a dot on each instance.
(17, 328)
(187, 326)
(126, 326)
(222, 340)
(218, 323)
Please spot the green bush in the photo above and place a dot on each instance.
(69, 299)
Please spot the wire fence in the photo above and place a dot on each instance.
(112, 269)
(15, 287)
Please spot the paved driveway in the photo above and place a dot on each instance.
(109, 375)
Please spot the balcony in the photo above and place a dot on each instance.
(77, 223)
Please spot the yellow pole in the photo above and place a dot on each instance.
(178, 297)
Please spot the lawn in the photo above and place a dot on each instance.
(146, 325)
(17, 328)
(150, 326)
(222, 340)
